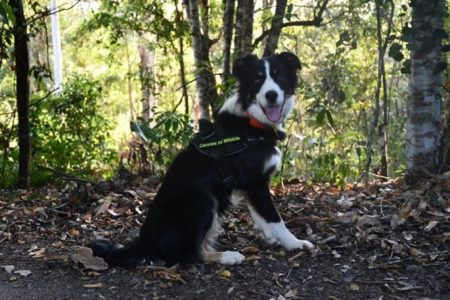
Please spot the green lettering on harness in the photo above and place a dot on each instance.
(219, 143)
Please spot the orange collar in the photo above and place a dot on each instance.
(260, 125)
(256, 123)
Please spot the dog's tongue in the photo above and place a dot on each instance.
(273, 113)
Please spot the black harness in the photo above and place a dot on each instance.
(219, 146)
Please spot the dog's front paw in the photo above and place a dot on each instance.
(298, 244)
(231, 258)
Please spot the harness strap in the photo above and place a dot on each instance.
(221, 148)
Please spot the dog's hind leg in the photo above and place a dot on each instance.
(225, 257)
(211, 255)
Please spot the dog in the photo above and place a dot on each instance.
(236, 154)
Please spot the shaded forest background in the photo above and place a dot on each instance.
(161, 65)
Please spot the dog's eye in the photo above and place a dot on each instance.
(259, 78)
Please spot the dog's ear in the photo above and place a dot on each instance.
(290, 59)
(241, 65)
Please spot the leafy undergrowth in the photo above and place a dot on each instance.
(384, 241)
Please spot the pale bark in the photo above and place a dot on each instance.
(424, 91)
(56, 45)
(146, 76)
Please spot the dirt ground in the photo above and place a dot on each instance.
(385, 241)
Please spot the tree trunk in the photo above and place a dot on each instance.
(23, 92)
(146, 76)
(382, 45)
(56, 45)
(244, 28)
(205, 81)
(275, 28)
(129, 82)
(228, 17)
(179, 54)
(424, 90)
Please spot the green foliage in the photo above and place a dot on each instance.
(70, 133)
(172, 132)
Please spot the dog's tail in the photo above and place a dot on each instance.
(125, 257)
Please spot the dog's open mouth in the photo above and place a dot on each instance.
(273, 112)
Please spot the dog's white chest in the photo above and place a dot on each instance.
(273, 162)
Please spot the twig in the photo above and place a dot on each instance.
(49, 12)
(11, 225)
(381, 207)
(445, 267)
(65, 176)
(262, 294)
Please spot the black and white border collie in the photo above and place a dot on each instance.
(183, 220)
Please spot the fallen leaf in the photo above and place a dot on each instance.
(415, 252)
(354, 287)
(9, 268)
(430, 225)
(291, 293)
(84, 256)
(105, 205)
(93, 285)
(23, 273)
(73, 232)
(225, 273)
(252, 257)
(250, 250)
(336, 254)
(38, 253)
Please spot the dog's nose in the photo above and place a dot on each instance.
(271, 96)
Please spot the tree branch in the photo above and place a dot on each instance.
(316, 21)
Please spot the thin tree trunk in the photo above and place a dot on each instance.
(205, 81)
(56, 45)
(424, 90)
(381, 85)
(244, 28)
(129, 83)
(180, 59)
(146, 76)
(228, 17)
(247, 29)
(23, 92)
(275, 28)
(382, 45)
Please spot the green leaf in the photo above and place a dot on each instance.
(320, 116)
(136, 127)
(7, 12)
(395, 52)
(407, 34)
(330, 118)
(406, 68)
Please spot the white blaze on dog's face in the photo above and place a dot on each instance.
(265, 87)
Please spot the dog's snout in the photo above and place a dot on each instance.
(271, 96)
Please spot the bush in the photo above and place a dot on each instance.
(70, 132)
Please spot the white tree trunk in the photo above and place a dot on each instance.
(56, 43)
(424, 91)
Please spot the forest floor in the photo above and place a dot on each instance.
(383, 241)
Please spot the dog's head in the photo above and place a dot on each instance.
(266, 86)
